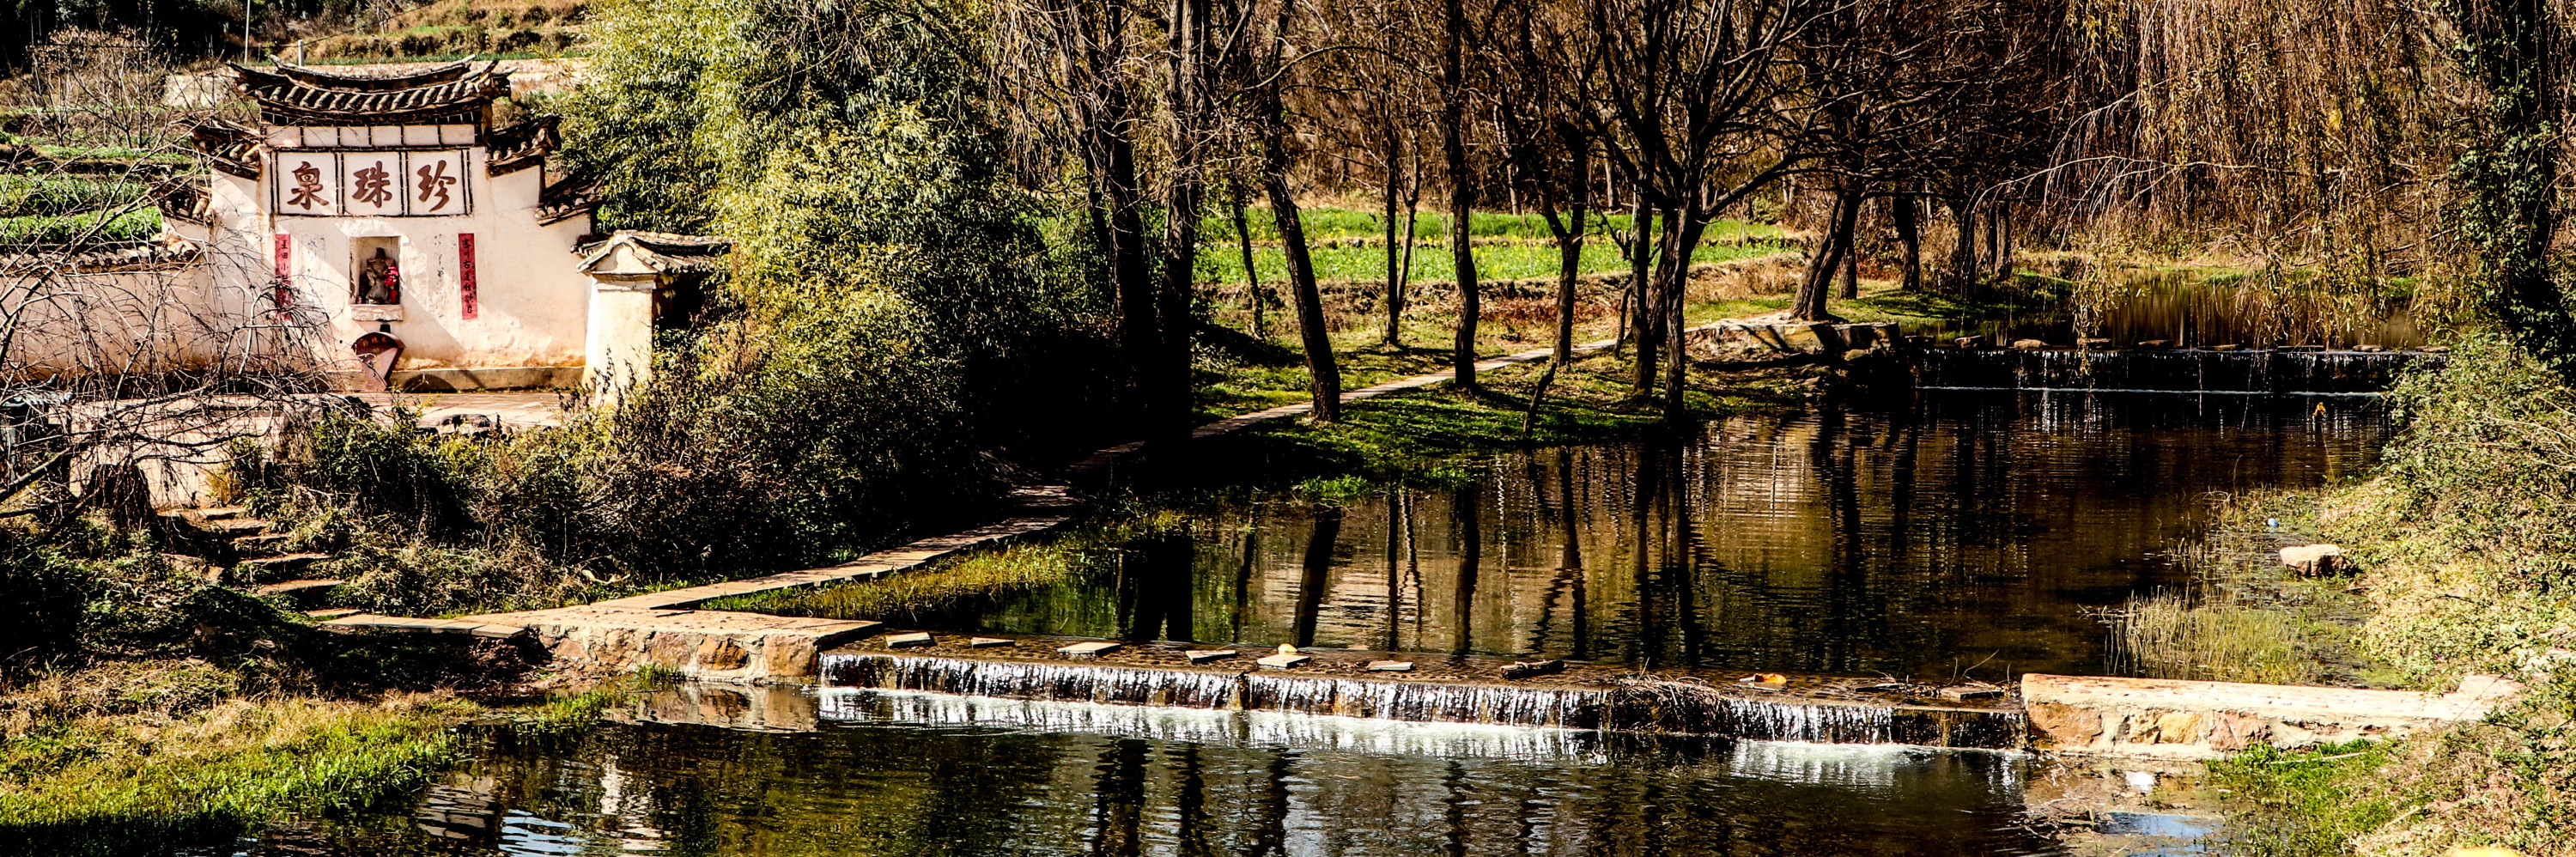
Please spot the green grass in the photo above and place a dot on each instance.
(1223, 262)
(22, 195)
(137, 225)
(1331, 224)
(2301, 804)
(116, 784)
(981, 574)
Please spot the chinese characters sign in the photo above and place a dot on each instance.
(371, 184)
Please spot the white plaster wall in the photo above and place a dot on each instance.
(534, 304)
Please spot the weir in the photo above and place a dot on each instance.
(1458, 690)
(2188, 370)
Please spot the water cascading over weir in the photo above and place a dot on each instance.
(2284, 371)
(1457, 690)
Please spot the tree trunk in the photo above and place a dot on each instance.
(1675, 277)
(1324, 377)
(1963, 257)
(1184, 195)
(1462, 193)
(1394, 264)
(1830, 251)
(1243, 238)
(1114, 172)
(1645, 325)
(1909, 234)
(2001, 219)
(1569, 253)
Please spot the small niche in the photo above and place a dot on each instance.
(375, 271)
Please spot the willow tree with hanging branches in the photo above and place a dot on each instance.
(2366, 150)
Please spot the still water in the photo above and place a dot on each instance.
(2191, 310)
(1974, 534)
(863, 784)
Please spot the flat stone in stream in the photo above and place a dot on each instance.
(1087, 650)
(1282, 661)
(908, 641)
(990, 642)
(1201, 656)
(1390, 666)
(1525, 669)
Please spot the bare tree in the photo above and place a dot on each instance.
(118, 351)
(1683, 113)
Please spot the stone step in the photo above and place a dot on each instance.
(236, 527)
(260, 544)
(296, 588)
(271, 567)
(373, 623)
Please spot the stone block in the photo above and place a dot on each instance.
(1088, 650)
(2179, 727)
(2317, 559)
(912, 640)
(1201, 656)
(2237, 730)
(2057, 726)
(990, 642)
(2029, 344)
(1969, 342)
(1390, 666)
(1282, 661)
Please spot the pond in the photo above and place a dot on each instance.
(889, 781)
(2193, 310)
(1971, 535)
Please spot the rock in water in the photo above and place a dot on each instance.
(2317, 559)
(1525, 669)
(2029, 344)
(1087, 650)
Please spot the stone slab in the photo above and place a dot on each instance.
(2176, 719)
(1283, 661)
(1091, 649)
(1390, 666)
(990, 642)
(712, 645)
(1201, 656)
(906, 641)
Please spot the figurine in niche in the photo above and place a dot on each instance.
(379, 280)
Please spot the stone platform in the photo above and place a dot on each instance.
(2172, 719)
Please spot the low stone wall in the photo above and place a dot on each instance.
(2171, 719)
(708, 645)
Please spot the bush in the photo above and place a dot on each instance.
(2469, 527)
(45, 593)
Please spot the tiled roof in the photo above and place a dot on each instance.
(663, 252)
(305, 96)
(185, 199)
(520, 146)
(231, 148)
(564, 199)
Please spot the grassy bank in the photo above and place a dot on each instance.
(129, 756)
(2466, 538)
